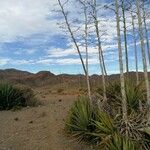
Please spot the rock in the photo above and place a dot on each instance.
(31, 121)
(16, 119)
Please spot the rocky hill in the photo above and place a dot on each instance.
(44, 78)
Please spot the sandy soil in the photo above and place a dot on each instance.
(38, 128)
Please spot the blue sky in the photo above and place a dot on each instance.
(31, 40)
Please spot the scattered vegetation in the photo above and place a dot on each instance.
(87, 122)
(12, 97)
(79, 121)
(135, 94)
(82, 90)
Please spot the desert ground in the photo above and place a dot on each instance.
(41, 127)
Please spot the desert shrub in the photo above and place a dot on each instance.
(104, 127)
(14, 97)
(118, 142)
(114, 134)
(88, 123)
(79, 121)
(135, 95)
(112, 90)
(29, 95)
(82, 90)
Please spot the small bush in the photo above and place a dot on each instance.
(12, 97)
(87, 123)
(29, 96)
(82, 90)
(79, 122)
(118, 142)
(135, 95)
(105, 127)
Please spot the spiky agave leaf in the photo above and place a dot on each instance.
(104, 128)
(118, 142)
(135, 95)
(10, 97)
(79, 119)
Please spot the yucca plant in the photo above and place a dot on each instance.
(117, 142)
(112, 90)
(135, 95)
(109, 131)
(79, 122)
(12, 97)
(105, 127)
(146, 137)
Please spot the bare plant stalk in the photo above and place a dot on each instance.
(136, 57)
(86, 47)
(146, 33)
(125, 36)
(85, 68)
(135, 48)
(72, 35)
(143, 56)
(101, 58)
(124, 100)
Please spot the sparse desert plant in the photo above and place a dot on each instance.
(79, 121)
(88, 123)
(13, 97)
(121, 143)
(112, 134)
(29, 95)
(104, 127)
(135, 95)
(82, 90)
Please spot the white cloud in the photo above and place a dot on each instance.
(60, 52)
(4, 61)
(25, 51)
(25, 17)
(21, 62)
(31, 51)
(45, 61)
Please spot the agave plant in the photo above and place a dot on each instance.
(104, 127)
(135, 95)
(10, 97)
(118, 142)
(79, 120)
(109, 131)
(15, 97)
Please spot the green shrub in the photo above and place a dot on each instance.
(135, 95)
(82, 90)
(88, 123)
(29, 95)
(109, 131)
(104, 127)
(79, 122)
(14, 97)
(118, 142)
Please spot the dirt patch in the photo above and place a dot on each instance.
(38, 128)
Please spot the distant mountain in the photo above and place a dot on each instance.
(44, 78)
(12, 74)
